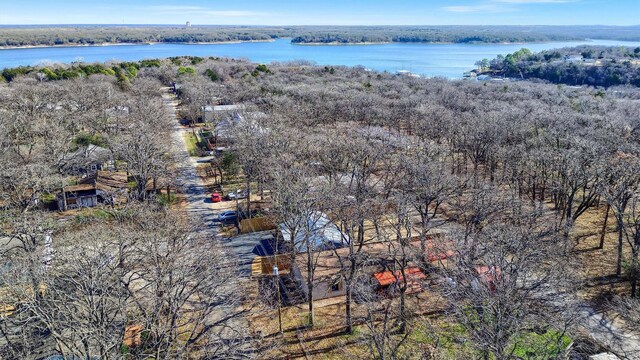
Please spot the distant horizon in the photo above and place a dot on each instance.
(325, 13)
(316, 25)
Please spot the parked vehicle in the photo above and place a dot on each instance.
(238, 194)
(228, 217)
(215, 197)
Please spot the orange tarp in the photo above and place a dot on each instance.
(132, 335)
(435, 254)
(435, 249)
(387, 277)
(488, 275)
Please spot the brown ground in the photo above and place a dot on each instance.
(327, 339)
(598, 266)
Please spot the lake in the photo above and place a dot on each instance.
(447, 60)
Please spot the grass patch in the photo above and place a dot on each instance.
(48, 197)
(191, 142)
(448, 338)
(165, 200)
(549, 345)
(89, 215)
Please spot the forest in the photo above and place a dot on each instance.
(462, 34)
(531, 188)
(582, 65)
(94, 35)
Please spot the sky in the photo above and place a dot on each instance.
(322, 12)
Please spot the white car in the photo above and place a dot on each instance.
(238, 194)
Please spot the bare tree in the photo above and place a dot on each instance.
(297, 210)
(84, 303)
(630, 227)
(620, 182)
(144, 142)
(183, 290)
(510, 287)
(429, 185)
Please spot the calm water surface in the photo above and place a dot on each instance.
(448, 60)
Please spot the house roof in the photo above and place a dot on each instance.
(235, 107)
(161, 183)
(79, 187)
(86, 155)
(319, 232)
(328, 262)
(93, 152)
(387, 277)
(436, 247)
(107, 181)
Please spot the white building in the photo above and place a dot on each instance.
(214, 113)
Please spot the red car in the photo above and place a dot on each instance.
(215, 197)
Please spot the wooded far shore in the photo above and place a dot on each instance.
(61, 35)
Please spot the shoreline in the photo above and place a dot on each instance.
(131, 44)
(214, 42)
(335, 43)
(66, 45)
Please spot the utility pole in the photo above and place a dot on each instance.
(237, 212)
(48, 249)
(276, 283)
(64, 200)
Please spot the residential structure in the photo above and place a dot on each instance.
(319, 233)
(99, 187)
(77, 196)
(576, 58)
(89, 159)
(215, 113)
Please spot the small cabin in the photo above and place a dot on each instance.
(77, 196)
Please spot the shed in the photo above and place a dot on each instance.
(77, 196)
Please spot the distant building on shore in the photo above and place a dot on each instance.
(573, 58)
(188, 24)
